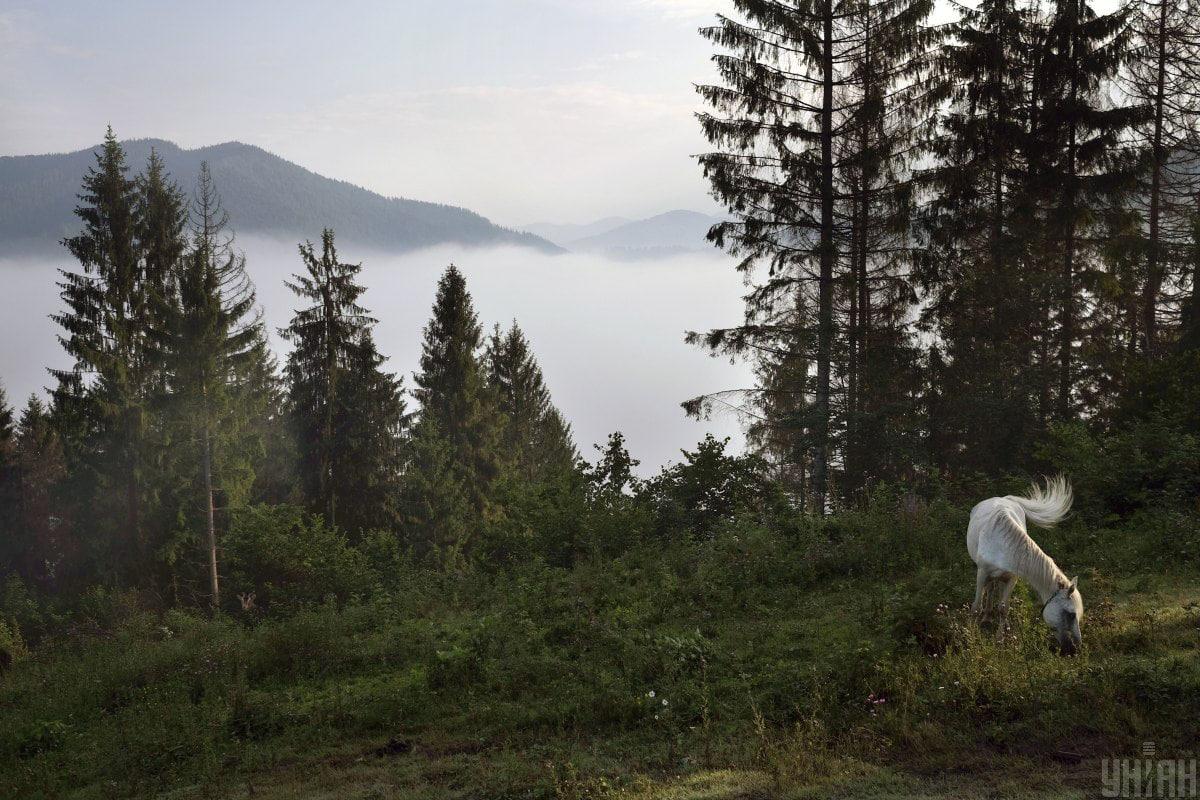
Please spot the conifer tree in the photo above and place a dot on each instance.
(1075, 168)
(346, 412)
(535, 435)
(9, 487)
(805, 157)
(369, 457)
(104, 332)
(1161, 77)
(40, 470)
(983, 299)
(459, 418)
(212, 337)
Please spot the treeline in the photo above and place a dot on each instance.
(172, 435)
(970, 242)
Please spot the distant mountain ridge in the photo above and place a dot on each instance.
(263, 193)
(662, 235)
(561, 233)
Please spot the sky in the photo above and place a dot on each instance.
(523, 110)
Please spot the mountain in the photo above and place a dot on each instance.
(263, 193)
(560, 234)
(662, 235)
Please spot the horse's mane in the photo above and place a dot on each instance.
(1029, 560)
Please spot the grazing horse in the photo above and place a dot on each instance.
(1002, 551)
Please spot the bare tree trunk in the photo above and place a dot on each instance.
(1153, 270)
(820, 475)
(1067, 332)
(210, 521)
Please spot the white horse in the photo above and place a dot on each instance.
(1002, 551)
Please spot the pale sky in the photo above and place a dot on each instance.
(522, 110)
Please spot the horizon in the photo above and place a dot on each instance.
(623, 218)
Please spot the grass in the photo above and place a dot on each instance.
(755, 665)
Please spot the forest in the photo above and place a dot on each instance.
(972, 257)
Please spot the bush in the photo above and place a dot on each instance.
(292, 560)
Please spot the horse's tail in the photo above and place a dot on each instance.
(1045, 507)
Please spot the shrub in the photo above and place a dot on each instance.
(292, 560)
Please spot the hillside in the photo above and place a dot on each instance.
(667, 234)
(833, 660)
(560, 234)
(658, 236)
(263, 193)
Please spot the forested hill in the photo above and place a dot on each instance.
(262, 192)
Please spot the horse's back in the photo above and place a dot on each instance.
(994, 523)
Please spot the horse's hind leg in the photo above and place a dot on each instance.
(981, 578)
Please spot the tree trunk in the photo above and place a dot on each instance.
(825, 310)
(1067, 332)
(1153, 270)
(210, 522)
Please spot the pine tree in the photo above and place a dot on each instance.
(983, 299)
(212, 337)
(369, 457)
(48, 549)
(457, 407)
(889, 90)
(105, 334)
(535, 434)
(346, 412)
(1161, 78)
(1075, 170)
(807, 128)
(10, 547)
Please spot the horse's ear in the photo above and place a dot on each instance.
(1074, 585)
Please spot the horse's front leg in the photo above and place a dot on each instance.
(1009, 582)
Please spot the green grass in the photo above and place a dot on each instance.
(771, 653)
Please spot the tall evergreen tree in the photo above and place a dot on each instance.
(535, 435)
(48, 549)
(105, 334)
(806, 126)
(212, 335)
(460, 424)
(346, 412)
(1161, 76)
(9, 488)
(369, 458)
(1075, 169)
(983, 301)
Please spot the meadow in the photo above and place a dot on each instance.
(770, 659)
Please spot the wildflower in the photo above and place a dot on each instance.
(664, 701)
(650, 694)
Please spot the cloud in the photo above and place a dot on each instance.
(18, 36)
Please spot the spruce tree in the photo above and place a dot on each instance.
(1075, 168)
(104, 331)
(459, 417)
(10, 547)
(535, 435)
(806, 127)
(984, 300)
(48, 547)
(1161, 78)
(346, 412)
(211, 339)
(369, 459)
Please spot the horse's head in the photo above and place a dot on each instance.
(1063, 611)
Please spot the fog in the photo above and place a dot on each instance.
(608, 334)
